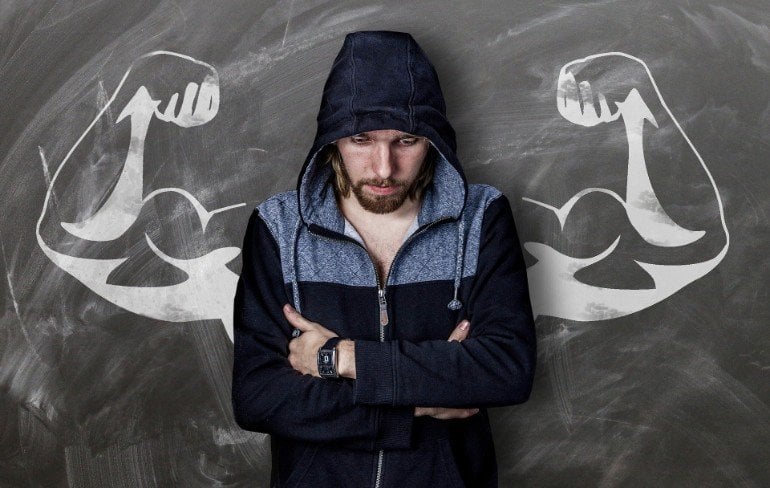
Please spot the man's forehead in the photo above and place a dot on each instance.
(385, 134)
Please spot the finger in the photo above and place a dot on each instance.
(168, 114)
(568, 104)
(587, 97)
(607, 115)
(296, 363)
(189, 98)
(587, 100)
(567, 87)
(604, 109)
(455, 413)
(208, 99)
(296, 319)
(464, 413)
(460, 332)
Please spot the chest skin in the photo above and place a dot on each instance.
(382, 244)
(382, 254)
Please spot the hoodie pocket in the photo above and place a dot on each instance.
(428, 464)
(325, 465)
(450, 464)
(301, 467)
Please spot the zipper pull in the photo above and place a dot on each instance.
(383, 307)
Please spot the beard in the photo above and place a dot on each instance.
(379, 204)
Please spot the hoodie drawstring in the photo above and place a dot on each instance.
(295, 270)
(455, 304)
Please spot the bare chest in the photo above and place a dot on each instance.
(382, 248)
(382, 253)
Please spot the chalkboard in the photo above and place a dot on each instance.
(632, 139)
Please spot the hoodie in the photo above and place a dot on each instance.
(462, 260)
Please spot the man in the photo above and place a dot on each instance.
(352, 285)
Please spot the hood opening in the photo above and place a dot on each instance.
(443, 198)
(382, 80)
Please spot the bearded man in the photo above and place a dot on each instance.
(383, 305)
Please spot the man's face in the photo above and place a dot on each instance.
(382, 166)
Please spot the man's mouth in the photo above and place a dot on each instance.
(382, 190)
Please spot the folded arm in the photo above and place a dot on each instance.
(303, 351)
(268, 395)
(494, 366)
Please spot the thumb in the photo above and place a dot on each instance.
(296, 319)
(460, 332)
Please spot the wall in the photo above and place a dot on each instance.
(645, 224)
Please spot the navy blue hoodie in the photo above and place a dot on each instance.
(463, 261)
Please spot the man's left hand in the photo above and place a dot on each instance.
(303, 350)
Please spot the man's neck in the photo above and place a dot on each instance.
(382, 234)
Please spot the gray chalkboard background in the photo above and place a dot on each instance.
(95, 394)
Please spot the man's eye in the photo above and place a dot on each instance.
(408, 141)
(359, 139)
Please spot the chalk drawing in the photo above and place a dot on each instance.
(207, 292)
(555, 291)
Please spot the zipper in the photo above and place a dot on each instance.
(383, 310)
(383, 303)
(382, 300)
(379, 469)
(381, 295)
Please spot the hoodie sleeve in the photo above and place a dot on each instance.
(268, 395)
(494, 366)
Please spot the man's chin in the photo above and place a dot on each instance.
(381, 204)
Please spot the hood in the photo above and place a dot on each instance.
(382, 80)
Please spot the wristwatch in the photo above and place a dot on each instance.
(328, 359)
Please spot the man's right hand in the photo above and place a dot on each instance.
(459, 333)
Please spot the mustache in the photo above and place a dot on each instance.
(381, 182)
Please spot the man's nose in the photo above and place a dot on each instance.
(384, 162)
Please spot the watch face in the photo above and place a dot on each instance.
(326, 366)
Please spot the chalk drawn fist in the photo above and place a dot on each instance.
(174, 88)
(199, 104)
(596, 89)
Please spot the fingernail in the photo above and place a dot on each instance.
(464, 325)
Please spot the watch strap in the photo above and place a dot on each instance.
(331, 343)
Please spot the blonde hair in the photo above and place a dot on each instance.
(424, 178)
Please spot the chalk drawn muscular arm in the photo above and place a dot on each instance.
(207, 292)
(607, 88)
